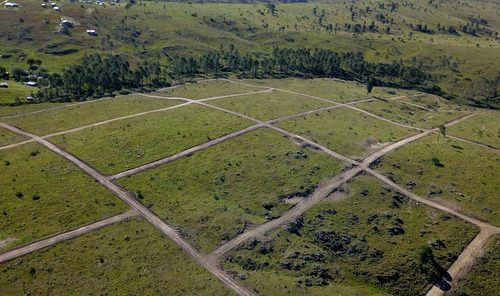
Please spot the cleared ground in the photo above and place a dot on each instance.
(346, 131)
(270, 105)
(42, 194)
(129, 143)
(8, 137)
(74, 116)
(410, 115)
(362, 240)
(108, 261)
(330, 89)
(459, 175)
(212, 194)
(25, 108)
(483, 128)
(206, 89)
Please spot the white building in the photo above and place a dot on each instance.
(92, 32)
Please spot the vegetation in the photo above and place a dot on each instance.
(335, 90)
(483, 276)
(129, 143)
(411, 115)
(346, 131)
(51, 121)
(108, 263)
(364, 236)
(460, 175)
(8, 137)
(216, 193)
(208, 89)
(483, 127)
(268, 106)
(42, 194)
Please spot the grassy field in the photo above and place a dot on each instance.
(153, 30)
(15, 90)
(7, 137)
(483, 278)
(212, 194)
(25, 108)
(411, 115)
(459, 175)
(344, 246)
(42, 194)
(331, 89)
(346, 131)
(129, 143)
(74, 116)
(107, 262)
(209, 89)
(483, 128)
(270, 105)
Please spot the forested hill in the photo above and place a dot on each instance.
(455, 42)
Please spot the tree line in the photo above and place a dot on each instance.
(97, 76)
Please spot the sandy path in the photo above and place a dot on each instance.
(43, 243)
(473, 142)
(130, 199)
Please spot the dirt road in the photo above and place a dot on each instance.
(130, 199)
(43, 243)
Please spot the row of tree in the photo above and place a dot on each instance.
(95, 75)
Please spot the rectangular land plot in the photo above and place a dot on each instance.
(129, 143)
(483, 128)
(410, 115)
(107, 262)
(331, 89)
(483, 277)
(42, 194)
(349, 132)
(429, 101)
(270, 105)
(79, 115)
(459, 175)
(25, 108)
(216, 193)
(364, 239)
(208, 89)
(7, 137)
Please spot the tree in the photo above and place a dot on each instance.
(442, 130)
(369, 86)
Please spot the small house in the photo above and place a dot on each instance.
(44, 5)
(92, 32)
(4, 85)
(53, 4)
(57, 8)
(67, 23)
(30, 83)
(11, 4)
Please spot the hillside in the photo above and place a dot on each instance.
(457, 43)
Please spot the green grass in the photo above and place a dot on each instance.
(15, 90)
(482, 280)
(25, 108)
(410, 115)
(7, 137)
(268, 106)
(209, 89)
(359, 217)
(483, 127)
(463, 176)
(42, 194)
(331, 89)
(107, 262)
(129, 143)
(74, 116)
(346, 131)
(211, 194)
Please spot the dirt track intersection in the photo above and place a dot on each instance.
(221, 128)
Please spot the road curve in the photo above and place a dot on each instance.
(130, 199)
(46, 242)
